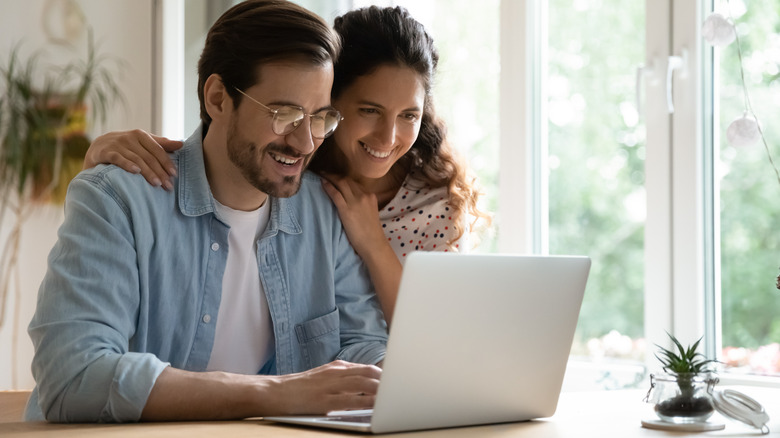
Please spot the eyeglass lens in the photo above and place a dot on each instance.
(287, 118)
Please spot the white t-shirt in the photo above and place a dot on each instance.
(244, 339)
(419, 218)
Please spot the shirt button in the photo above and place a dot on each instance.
(215, 246)
(207, 317)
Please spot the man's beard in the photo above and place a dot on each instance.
(244, 155)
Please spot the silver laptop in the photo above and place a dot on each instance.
(476, 339)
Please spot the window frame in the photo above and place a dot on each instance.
(682, 275)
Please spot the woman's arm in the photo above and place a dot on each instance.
(359, 212)
(136, 151)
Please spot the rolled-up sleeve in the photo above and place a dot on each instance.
(87, 312)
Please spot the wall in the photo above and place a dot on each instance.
(122, 28)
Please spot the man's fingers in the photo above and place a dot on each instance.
(345, 402)
(335, 386)
(359, 385)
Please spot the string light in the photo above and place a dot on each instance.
(744, 131)
(720, 31)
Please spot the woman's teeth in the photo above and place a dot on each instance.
(374, 153)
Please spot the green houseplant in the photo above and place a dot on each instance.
(43, 123)
(44, 113)
(681, 395)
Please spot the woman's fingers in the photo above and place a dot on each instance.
(166, 143)
(335, 195)
(136, 151)
(166, 146)
(125, 163)
(343, 185)
(156, 166)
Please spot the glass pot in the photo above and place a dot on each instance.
(682, 398)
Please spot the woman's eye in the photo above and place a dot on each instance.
(411, 117)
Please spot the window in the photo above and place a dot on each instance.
(563, 109)
(595, 166)
(745, 190)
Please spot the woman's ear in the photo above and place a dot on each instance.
(217, 100)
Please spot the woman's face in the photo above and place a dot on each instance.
(382, 112)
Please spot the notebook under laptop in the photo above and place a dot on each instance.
(476, 339)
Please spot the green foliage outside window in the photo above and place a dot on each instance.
(749, 219)
(596, 193)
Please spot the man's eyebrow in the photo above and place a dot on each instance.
(368, 102)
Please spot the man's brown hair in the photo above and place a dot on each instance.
(256, 32)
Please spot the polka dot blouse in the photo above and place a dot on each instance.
(420, 218)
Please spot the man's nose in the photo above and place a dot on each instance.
(301, 140)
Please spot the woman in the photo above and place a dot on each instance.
(388, 168)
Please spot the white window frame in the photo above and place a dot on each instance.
(682, 279)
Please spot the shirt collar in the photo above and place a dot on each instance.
(196, 199)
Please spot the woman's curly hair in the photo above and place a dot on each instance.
(372, 37)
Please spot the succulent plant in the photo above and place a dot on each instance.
(684, 360)
(685, 364)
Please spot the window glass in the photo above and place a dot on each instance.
(749, 191)
(596, 166)
(466, 87)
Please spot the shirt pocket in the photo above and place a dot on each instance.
(319, 339)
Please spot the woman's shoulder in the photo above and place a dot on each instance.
(419, 218)
(415, 189)
(416, 201)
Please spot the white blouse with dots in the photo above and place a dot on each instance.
(420, 218)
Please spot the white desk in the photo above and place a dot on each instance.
(615, 414)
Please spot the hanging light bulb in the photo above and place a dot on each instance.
(718, 30)
(743, 131)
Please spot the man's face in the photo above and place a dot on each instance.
(270, 162)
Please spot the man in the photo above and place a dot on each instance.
(150, 309)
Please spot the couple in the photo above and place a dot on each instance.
(251, 287)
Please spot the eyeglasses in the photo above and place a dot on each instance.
(287, 118)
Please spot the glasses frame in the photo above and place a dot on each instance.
(296, 123)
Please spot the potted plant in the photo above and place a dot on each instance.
(44, 112)
(681, 395)
(43, 125)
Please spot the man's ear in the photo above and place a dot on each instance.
(217, 100)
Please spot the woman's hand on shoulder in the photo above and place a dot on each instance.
(136, 151)
(358, 210)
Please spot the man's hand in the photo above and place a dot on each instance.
(335, 386)
(187, 395)
(136, 151)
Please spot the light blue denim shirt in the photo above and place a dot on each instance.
(135, 279)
